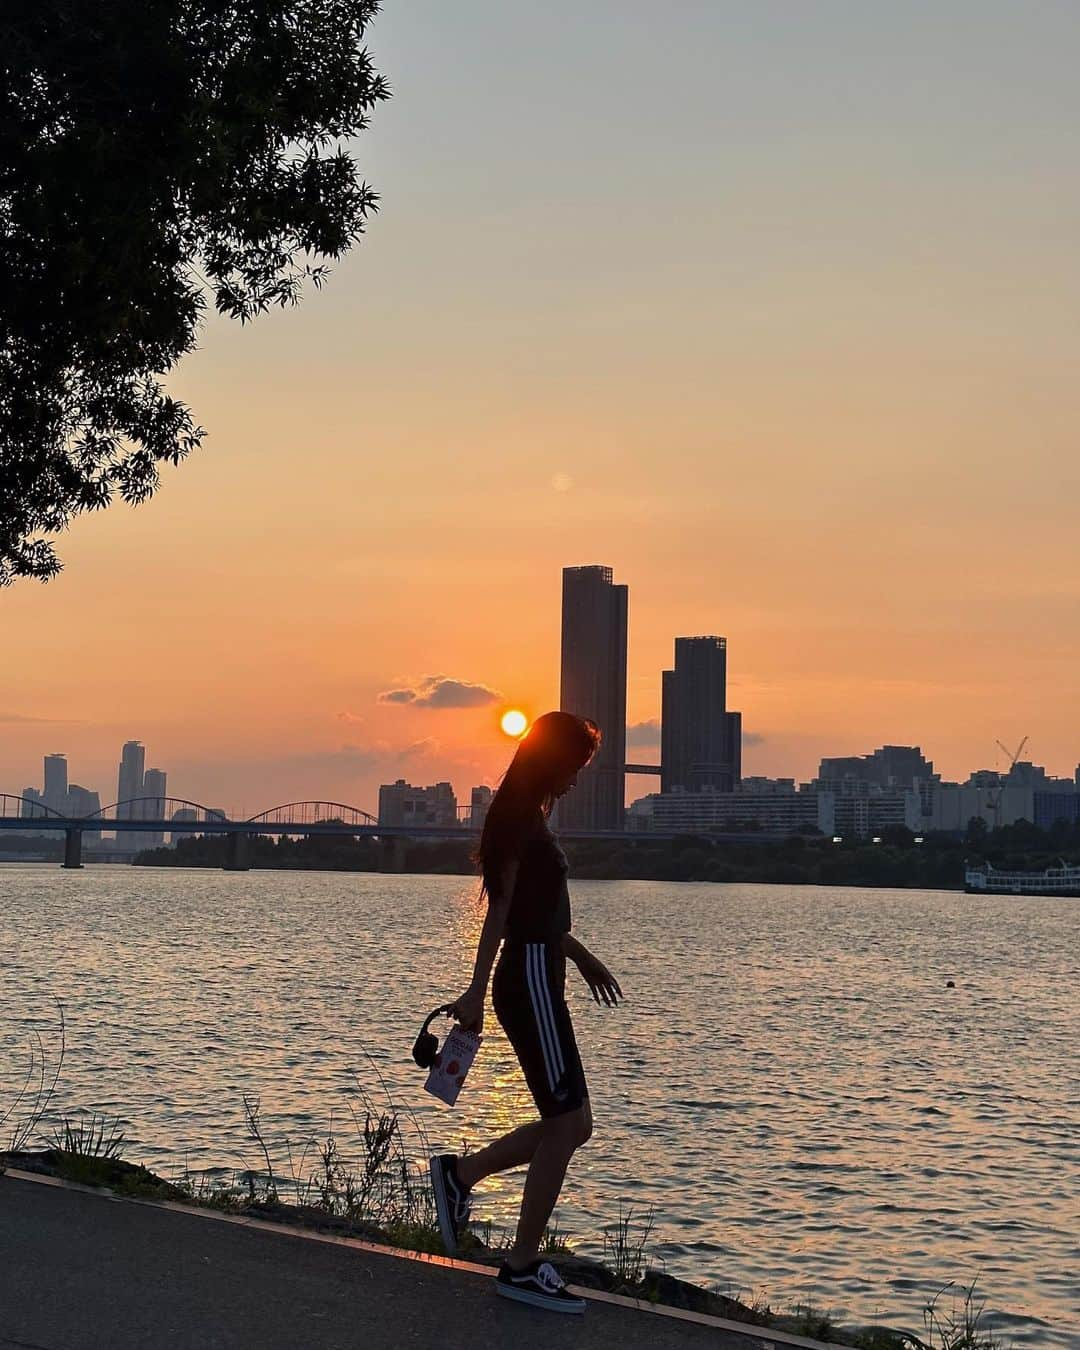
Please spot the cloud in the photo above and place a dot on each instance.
(753, 738)
(428, 746)
(11, 718)
(356, 756)
(345, 756)
(439, 691)
(377, 753)
(351, 717)
(643, 733)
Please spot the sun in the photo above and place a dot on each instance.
(514, 722)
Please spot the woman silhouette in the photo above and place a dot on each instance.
(524, 872)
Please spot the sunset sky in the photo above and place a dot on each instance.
(770, 306)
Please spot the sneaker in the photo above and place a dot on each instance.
(451, 1199)
(539, 1284)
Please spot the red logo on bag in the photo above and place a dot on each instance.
(452, 1067)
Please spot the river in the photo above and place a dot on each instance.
(793, 1088)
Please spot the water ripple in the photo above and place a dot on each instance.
(790, 1084)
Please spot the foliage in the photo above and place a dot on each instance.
(956, 1327)
(252, 1107)
(976, 833)
(626, 1246)
(32, 1100)
(91, 1136)
(806, 1320)
(555, 1241)
(935, 864)
(154, 154)
(375, 1184)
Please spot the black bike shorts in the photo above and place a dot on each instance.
(528, 996)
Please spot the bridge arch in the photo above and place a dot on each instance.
(311, 813)
(11, 804)
(165, 805)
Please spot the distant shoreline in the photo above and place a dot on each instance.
(90, 863)
(897, 861)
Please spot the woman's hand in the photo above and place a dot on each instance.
(469, 1010)
(604, 986)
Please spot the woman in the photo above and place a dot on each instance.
(528, 912)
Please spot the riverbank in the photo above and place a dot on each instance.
(84, 1269)
(897, 861)
(647, 1286)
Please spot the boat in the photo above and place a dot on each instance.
(984, 879)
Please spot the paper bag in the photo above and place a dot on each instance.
(452, 1063)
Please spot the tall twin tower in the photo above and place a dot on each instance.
(701, 742)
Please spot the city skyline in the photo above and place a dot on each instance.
(696, 738)
(881, 766)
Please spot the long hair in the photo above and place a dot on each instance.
(557, 744)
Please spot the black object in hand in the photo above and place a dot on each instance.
(427, 1043)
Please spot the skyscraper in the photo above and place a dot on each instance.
(132, 765)
(479, 802)
(129, 788)
(700, 741)
(33, 804)
(593, 684)
(153, 805)
(401, 803)
(890, 766)
(56, 782)
(81, 801)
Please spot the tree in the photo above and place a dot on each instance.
(154, 154)
(977, 832)
(899, 836)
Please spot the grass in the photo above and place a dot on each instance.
(555, 1240)
(957, 1327)
(626, 1247)
(367, 1180)
(25, 1114)
(805, 1320)
(91, 1136)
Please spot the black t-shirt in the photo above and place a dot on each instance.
(540, 904)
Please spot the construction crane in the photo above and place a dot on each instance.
(994, 800)
(1014, 757)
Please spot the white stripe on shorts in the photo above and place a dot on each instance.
(545, 992)
(536, 973)
(533, 959)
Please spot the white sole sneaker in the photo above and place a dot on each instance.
(569, 1304)
(532, 1292)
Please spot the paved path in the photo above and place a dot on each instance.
(86, 1271)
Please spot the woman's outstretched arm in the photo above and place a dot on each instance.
(602, 984)
(469, 1008)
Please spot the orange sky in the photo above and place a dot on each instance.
(793, 350)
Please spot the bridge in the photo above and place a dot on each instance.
(24, 815)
